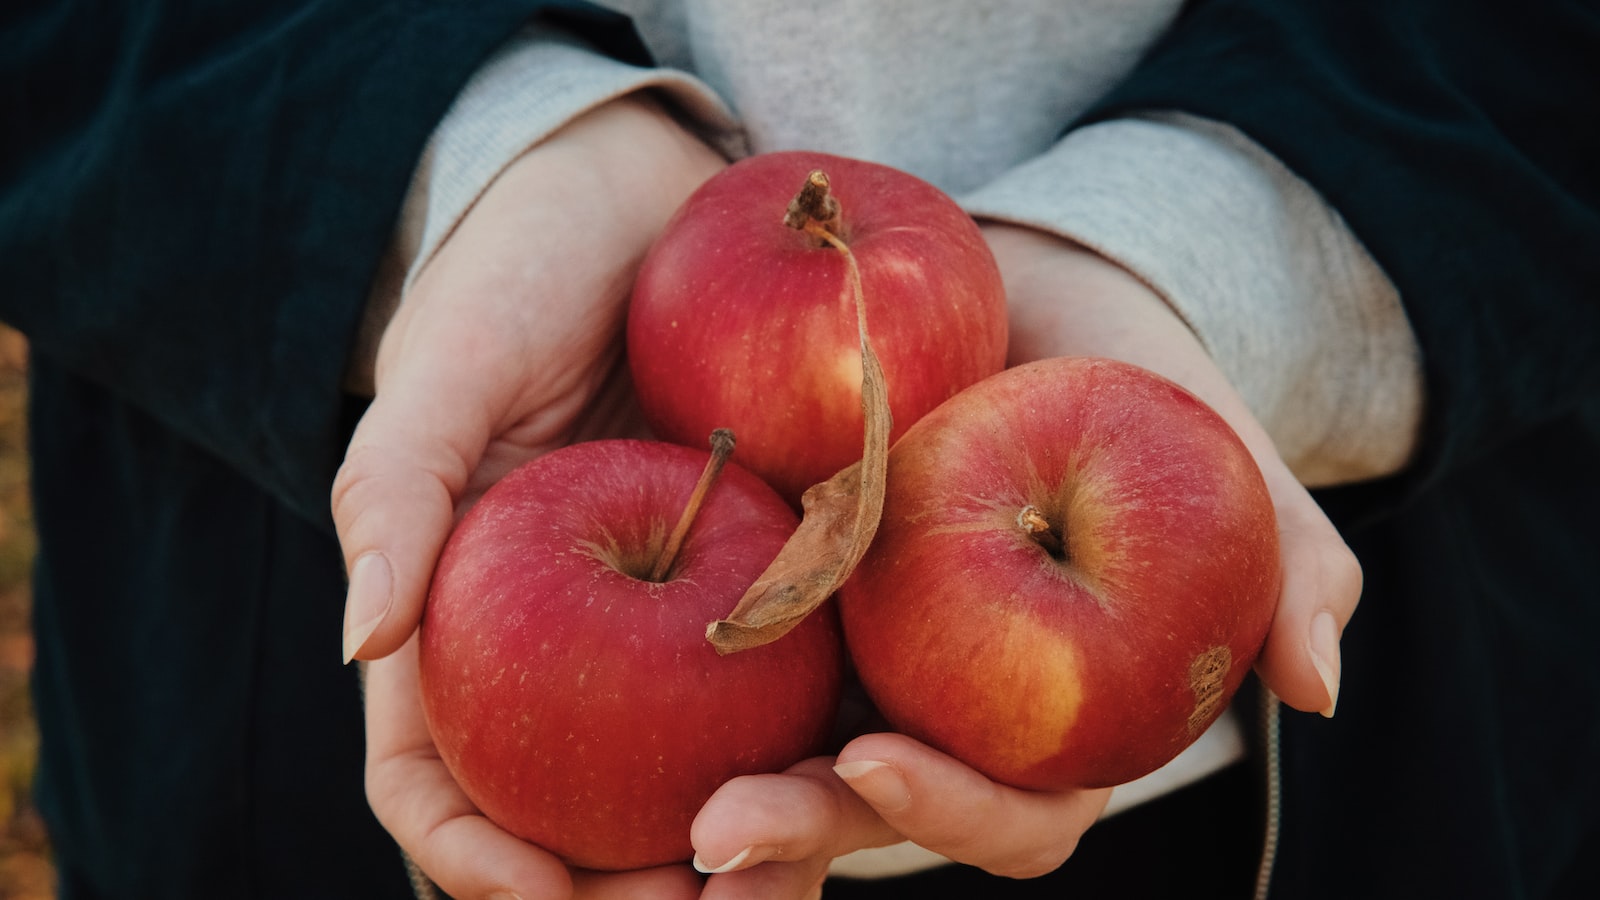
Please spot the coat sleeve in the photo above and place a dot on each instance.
(1458, 140)
(194, 199)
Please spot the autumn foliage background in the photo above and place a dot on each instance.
(25, 872)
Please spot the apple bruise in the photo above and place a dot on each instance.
(1208, 676)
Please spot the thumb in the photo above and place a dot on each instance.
(394, 501)
(1321, 587)
(946, 807)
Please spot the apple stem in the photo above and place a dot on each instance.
(721, 448)
(814, 207)
(1032, 521)
(816, 212)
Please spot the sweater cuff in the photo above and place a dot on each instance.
(1295, 312)
(539, 81)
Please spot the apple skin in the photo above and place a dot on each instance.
(581, 708)
(1091, 671)
(738, 320)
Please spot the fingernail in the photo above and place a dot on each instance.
(878, 783)
(1324, 646)
(744, 859)
(504, 895)
(371, 593)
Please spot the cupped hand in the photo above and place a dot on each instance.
(776, 835)
(508, 344)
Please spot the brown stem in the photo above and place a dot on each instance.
(814, 204)
(841, 514)
(1032, 521)
(852, 271)
(721, 448)
(816, 212)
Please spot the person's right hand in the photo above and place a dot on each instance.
(508, 345)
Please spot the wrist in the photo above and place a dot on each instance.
(638, 163)
(618, 171)
(1066, 299)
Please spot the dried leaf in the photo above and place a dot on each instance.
(840, 516)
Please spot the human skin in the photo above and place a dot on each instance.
(508, 345)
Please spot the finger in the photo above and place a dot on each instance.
(1322, 580)
(804, 814)
(677, 882)
(772, 880)
(423, 808)
(393, 504)
(949, 808)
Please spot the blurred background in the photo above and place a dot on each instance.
(25, 872)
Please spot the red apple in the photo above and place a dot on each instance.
(1076, 567)
(575, 700)
(739, 320)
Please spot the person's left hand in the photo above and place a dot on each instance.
(776, 835)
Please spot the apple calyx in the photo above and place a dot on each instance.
(1037, 526)
(722, 444)
(840, 516)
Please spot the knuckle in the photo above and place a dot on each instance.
(382, 797)
(361, 465)
(1339, 580)
(372, 485)
(1347, 572)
